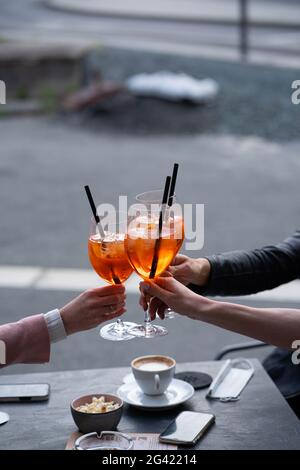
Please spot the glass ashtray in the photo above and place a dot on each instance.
(105, 440)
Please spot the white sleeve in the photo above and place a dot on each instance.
(55, 326)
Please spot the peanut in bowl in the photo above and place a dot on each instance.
(97, 412)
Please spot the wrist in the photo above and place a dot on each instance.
(216, 312)
(200, 307)
(68, 324)
(203, 272)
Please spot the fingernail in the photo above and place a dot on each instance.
(145, 287)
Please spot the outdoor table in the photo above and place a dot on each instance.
(261, 419)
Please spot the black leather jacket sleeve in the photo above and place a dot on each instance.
(247, 272)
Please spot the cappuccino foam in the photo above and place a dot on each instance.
(153, 366)
(153, 363)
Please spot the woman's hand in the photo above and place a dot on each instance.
(93, 307)
(175, 295)
(185, 270)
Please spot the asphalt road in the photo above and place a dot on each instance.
(249, 186)
(31, 16)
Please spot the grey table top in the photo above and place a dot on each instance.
(261, 419)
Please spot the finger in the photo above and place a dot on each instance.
(154, 306)
(143, 302)
(114, 308)
(179, 259)
(155, 290)
(166, 274)
(161, 311)
(116, 314)
(110, 300)
(167, 283)
(109, 290)
(144, 294)
(176, 264)
(171, 270)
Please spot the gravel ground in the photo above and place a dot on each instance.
(253, 100)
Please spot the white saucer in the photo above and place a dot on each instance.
(129, 378)
(4, 417)
(177, 393)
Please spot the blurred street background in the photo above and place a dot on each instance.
(238, 154)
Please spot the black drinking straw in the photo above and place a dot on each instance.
(157, 242)
(94, 210)
(97, 220)
(173, 184)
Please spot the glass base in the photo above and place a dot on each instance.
(116, 332)
(148, 331)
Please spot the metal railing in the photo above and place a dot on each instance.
(244, 29)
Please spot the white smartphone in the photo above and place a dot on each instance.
(24, 392)
(187, 428)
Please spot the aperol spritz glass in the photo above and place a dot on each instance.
(151, 250)
(154, 197)
(109, 259)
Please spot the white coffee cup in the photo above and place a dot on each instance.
(153, 374)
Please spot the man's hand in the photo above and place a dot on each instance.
(189, 270)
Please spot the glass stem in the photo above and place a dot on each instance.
(147, 321)
(120, 324)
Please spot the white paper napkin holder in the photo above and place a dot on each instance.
(231, 380)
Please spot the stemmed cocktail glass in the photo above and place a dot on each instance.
(153, 198)
(108, 257)
(150, 248)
